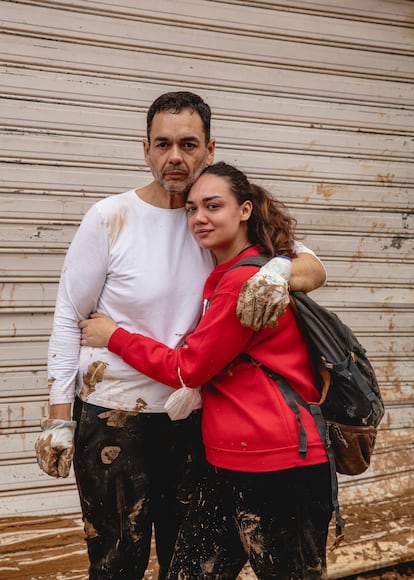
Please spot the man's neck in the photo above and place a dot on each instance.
(156, 195)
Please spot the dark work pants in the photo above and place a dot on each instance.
(278, 520)
(133, 471)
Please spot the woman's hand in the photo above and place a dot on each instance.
(97, 330)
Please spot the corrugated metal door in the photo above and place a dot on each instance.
(312, 98)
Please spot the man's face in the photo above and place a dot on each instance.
(177, 151)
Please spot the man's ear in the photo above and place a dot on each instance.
(146, 147)
(211, 148)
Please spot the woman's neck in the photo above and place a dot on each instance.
(226, 256)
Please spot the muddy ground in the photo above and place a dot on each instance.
(52, 548)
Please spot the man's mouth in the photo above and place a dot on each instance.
(176, 174)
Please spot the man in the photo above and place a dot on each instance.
(134, 259)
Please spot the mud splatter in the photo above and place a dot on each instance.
(109, 454)
(388, 178)
(250, 533)
(50, 547)
(90, 531)
(117, 222)
(46, 458)
(325, 190)
(208, 565)
(117, 418)
(140, 405)
(132, 520)
(53, 459)
(93, 376)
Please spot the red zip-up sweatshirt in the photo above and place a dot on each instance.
(247, 425)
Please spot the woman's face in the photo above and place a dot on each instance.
(215, 218)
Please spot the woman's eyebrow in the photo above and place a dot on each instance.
(208, 198)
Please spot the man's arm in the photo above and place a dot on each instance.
(61, 411)
(81, 282)
(263, 298)
(308, 273)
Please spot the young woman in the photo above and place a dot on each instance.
(259, 497)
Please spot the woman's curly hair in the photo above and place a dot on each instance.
(270, 226)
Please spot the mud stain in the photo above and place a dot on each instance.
(90, 531)
(250, 533)
(325, 190)
(93, 376)
(116, 418)
(132, 520)
(140, 405)
(117, 223)
(51, 547)
(109, 454)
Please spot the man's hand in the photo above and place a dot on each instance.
(54, 446)
(264, 297)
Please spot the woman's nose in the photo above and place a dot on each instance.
(199, 216)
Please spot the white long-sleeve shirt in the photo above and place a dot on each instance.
(140, 265)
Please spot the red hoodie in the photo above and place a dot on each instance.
(247, 425)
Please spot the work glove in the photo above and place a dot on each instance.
(54, 446)
(264, 297)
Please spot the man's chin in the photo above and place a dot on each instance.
(175, 188)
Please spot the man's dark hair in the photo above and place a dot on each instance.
(175, 103)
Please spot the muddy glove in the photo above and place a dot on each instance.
(264, 297)
(54, 446)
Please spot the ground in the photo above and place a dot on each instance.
(52, 548)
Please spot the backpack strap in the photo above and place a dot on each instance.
(258, 261)
(293, 399)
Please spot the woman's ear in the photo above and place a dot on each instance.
(246, 209)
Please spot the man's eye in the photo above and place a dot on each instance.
(188, 145)
(162, 145)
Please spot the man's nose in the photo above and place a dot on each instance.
(176, 155)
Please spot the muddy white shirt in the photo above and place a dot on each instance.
(140, 265)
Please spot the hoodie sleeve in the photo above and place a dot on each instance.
(218, 340)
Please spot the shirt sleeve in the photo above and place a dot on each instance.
(82, 279)
(218, 340)
(300, 248)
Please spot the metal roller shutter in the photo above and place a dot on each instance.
(313, 99)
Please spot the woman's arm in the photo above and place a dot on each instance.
(218, 339)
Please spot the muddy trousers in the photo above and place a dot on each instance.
(278, 520)
(133, 471)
